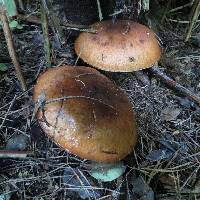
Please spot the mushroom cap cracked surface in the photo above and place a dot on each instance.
(123, 46)
(86, 113)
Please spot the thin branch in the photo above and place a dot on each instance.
(195, 12)
(180, 21)
(174, 85)
(181, 7)
(6, 115)
(11, 49)
(75, 27)
(166, 11)
(29, 18)
(45, 30)
(14, 154)
(99, 10)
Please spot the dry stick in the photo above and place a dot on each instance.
(11, 49)
(99, 10)
(76, 27)
(45, 30)
(55, 23)
(181, 7)
(23, 94)
(176, 86)
(6, 115)
(89, 30)
(29, 18)
(195, 12)
(180, 21)
(14, 154)
(153, 173)
(165, 12)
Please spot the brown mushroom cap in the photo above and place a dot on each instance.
(124, 46)
(86, 113)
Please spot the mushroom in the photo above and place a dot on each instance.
(126, 46)
(123, 46)
(85, 113)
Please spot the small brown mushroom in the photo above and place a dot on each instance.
(123, 46)
(86, 113)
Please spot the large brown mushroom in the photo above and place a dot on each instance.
(123, 46)
(85, 113)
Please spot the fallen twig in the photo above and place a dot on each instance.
(181, 7)
(10, 44)
(174, 85)
(181, 21)
(195, 12)
(99, 10)
(76, 27)
(6, 115)
(29, 18)
(166, 11)
(14, 154)
(45, 30)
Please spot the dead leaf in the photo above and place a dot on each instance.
(170, 114)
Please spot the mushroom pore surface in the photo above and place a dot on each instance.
(86, 113)
(123, 46)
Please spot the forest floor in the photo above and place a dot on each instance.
(166, 160)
